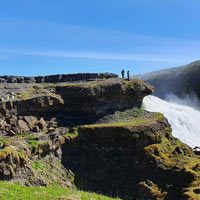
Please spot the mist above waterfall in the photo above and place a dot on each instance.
(183, 115)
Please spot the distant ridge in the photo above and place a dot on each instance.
(179, 80)
(56, 78)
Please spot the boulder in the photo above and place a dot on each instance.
(13, 120)
(31, 121)
(53, 123)
(149, 190)
(42, 124)
(51, 129)
(23, 126)
(16, 130)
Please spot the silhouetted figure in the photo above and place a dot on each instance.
(122, 73)
(128, 75)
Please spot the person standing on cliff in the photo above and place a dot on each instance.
(122, 73)
(128, 75)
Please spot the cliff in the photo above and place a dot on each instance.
(181, 81)
(137, 159)
(56, 78)
(74, 103)
(93, 136)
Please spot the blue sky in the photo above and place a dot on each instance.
(40, 37)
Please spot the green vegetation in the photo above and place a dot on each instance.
(22, 153)
(27, 136)
(137, 122)
(9, 152)
(26, 94)
(37, 165)
(34, 146)
(33, 142)
(129, 83)
(10, 191)
(97, 83)
(3, 141)
(47, 86)
(139, 81)
(72, 133)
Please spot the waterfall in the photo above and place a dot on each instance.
(184, 119)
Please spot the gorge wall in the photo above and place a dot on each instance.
(181, 81)
(93, 136)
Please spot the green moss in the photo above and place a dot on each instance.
(37, 165)
(26, 95)
(129, 83)
(33, 142)
(22, 153)
(136, 122)
(71, 84)
(47, 86)
(9, 152)
(27, 136)
(97, 83)
(72, 133)
(139, 81)
(166, 152)
(3, 141)
(34, 146)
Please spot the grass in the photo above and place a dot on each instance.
(3, 141)
(47, 86)
(33, 142)
(10, 191)
(26, 94)
(122, 124)
(72, 133)
(22, 153)
(9, 152)
(129, 83)
(37, 165)
(26, 136)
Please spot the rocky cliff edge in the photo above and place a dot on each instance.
(96, 137)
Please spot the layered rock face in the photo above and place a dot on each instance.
(34, 160)
(56, 78)
(77, 103)
(97, 99)
(132, 160)
(96, 137)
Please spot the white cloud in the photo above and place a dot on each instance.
(104, 55)
(95, 43)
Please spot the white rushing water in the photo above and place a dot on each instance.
(184, 120)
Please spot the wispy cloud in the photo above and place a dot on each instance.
(92, 43)
(102, 55)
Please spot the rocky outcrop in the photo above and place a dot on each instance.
(99, 98)
(57, 78)
(77, 103)
(94, 136)
(35, 160)
(133, 160)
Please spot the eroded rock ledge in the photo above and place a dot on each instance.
(132, 160)
(69, 104)
(94, 136)
(56, 78)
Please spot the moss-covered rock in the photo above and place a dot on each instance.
(126, 159)
(34, 160)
